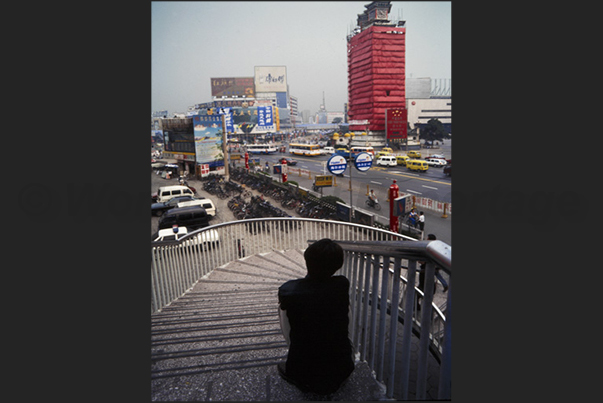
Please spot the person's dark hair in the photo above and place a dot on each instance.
(431, 237)
(323, 258)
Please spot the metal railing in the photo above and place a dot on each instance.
(382, 299)
(386, 307)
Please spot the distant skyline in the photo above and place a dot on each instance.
(191, 42)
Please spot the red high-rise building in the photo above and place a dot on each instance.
(376, 67)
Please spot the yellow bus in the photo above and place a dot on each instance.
(305, 149)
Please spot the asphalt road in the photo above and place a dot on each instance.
(433, 184)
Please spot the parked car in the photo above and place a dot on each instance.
(328, 150)
(414, 154)
(288, 161)
(207, 204)
(436, 162)
(165, 193)
(157, 209)
(193, 218)
(176, 233)
(440, 156)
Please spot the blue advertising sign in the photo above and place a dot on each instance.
(400, 205)
(265, 116)
(337, 164)
(363, 162)
(227, 112)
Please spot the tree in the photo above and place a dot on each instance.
(433, 130)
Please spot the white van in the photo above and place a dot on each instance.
(207, 204)
(328, 150)
(166, 193)
(387, 161)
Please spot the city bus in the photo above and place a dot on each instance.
(305, 149)
(357, 150)
(261, 148)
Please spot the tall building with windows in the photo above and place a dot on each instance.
(376, 67)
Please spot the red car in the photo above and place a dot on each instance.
(287, 161)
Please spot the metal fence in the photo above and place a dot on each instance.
(386, 307)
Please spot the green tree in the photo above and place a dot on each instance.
(433, 130)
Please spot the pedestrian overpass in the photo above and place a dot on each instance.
(214, 312)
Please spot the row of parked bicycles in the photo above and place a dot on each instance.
(216, 185)
(288, 199)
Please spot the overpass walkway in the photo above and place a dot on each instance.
(221, 340)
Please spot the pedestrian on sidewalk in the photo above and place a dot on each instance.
(413, 217)
(314, 318)
(421, 221)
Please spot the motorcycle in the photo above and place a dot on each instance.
(373, 203)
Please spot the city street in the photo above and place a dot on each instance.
(433, 184)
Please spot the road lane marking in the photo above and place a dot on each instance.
(429, 187)
(412, 191)
(423, 179)
(378, 183)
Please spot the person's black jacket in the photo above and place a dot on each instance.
(320, 353)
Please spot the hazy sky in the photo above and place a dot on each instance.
(192, 42)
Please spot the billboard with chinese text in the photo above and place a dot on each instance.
(208, 140)
(232, 86)
(270, 79)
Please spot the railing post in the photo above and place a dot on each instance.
(393, 328)
(407, 331)
(425, 325)
(444, 387)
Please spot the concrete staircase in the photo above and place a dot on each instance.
(222, 340)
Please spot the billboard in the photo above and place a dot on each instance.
(265, 117)
(396, 123)
(232, 86)
(208, 140)
(270, 79)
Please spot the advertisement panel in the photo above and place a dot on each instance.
(208, 140)
(265, 118)
(227, 112)
(396, 123)
(231, 86)
(270, 79)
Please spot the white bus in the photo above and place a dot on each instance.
(305, 149)
(260, 148)
(357, 150)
